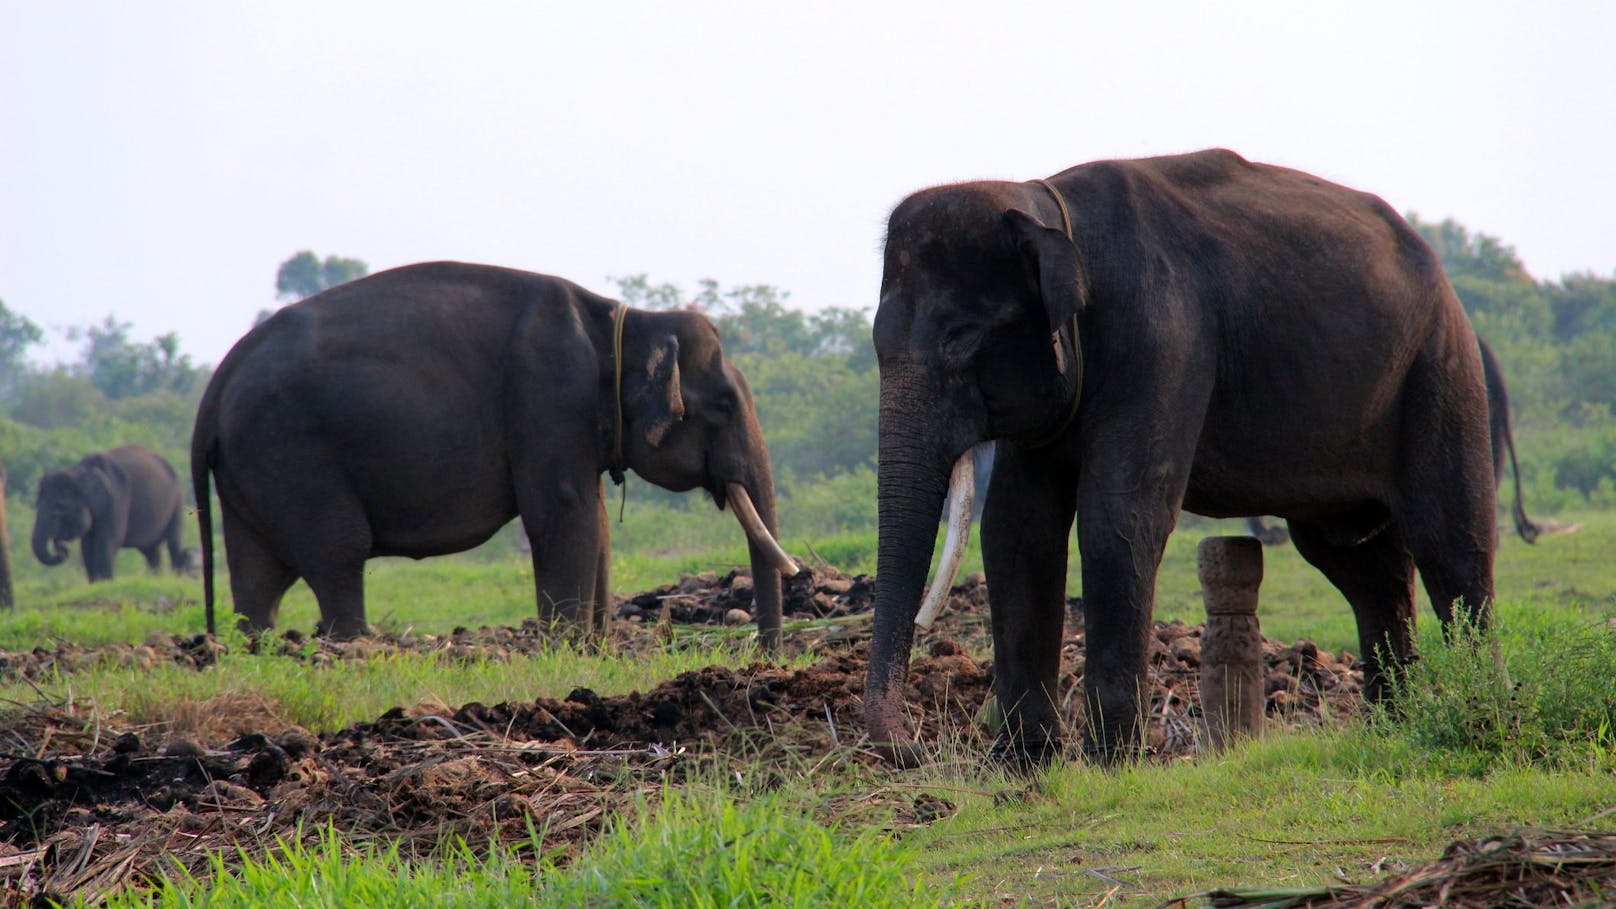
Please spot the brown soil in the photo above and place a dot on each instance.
(86, 807)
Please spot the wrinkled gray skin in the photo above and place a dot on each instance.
(1248, 340)
(1503, 442)
(417, 411)
(128, 497)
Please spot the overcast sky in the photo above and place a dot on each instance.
(158, 159)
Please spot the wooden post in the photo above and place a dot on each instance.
(1231, 570)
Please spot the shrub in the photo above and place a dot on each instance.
(1553, 707)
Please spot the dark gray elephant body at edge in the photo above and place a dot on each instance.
(125, 498)
(417, 411)
(1209, 334)
(1503, 442)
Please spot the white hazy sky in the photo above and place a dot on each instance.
(159, 159)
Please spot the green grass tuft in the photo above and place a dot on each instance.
(701, 851)
(1553, 707)
(707, 850)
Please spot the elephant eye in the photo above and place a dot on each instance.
(960, 342)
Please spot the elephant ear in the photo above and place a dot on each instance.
(659, 401)
(102, 482)
(1052, 265)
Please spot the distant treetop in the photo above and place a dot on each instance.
(304, 275)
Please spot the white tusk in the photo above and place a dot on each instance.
(961, 496)
(746, 513)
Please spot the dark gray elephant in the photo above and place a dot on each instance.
(1503, 442)
(417, 411)
(1195, 332)
(126, 498)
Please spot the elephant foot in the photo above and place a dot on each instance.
(1110, 758)
(902, 755)
(253, 630)
(1026, 756)
(341, 630)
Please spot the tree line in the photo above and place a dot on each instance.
(814, 379)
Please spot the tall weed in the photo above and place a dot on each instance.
(1553, 706)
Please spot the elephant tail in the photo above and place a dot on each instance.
(1498, 415)
(1525, 526)
(202, 448)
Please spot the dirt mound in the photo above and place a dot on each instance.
(82, 823)
(707, 599)
(195, 651)
(85, 807)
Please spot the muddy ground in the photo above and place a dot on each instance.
(86, 807)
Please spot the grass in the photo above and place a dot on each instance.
(1294, 810)
(1554, 706)
(699, 850)
(1287, 810)
(493, 586)
(1465, 755)
(343, 692)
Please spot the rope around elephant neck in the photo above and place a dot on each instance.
(1077, 345)
(1060, 202)
(616, 468)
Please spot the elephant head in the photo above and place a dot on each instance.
(977, 339)
(70, 503)
(688, 422)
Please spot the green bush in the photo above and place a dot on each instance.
(714, 852)
(1553, 706)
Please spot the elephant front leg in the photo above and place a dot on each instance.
(100, 552)
(566, 533)
(1024, 532)
(1125, 515)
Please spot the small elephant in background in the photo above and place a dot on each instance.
(128, 497)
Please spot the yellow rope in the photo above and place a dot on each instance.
(1066, 216)
(616, 468)
(1077, 344)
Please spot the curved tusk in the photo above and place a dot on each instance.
(746, 513)
(961, 496)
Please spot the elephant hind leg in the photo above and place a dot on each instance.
(153, 556)
(178, 561)
(340, 591)
(1448, 499)
(1452, 535)
(258, 578)
(328, 548)
(1377, 578)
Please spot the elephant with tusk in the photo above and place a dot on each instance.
(1194, 332)
(417, 411)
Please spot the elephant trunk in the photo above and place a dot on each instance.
(49, 551)
(913, 475)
